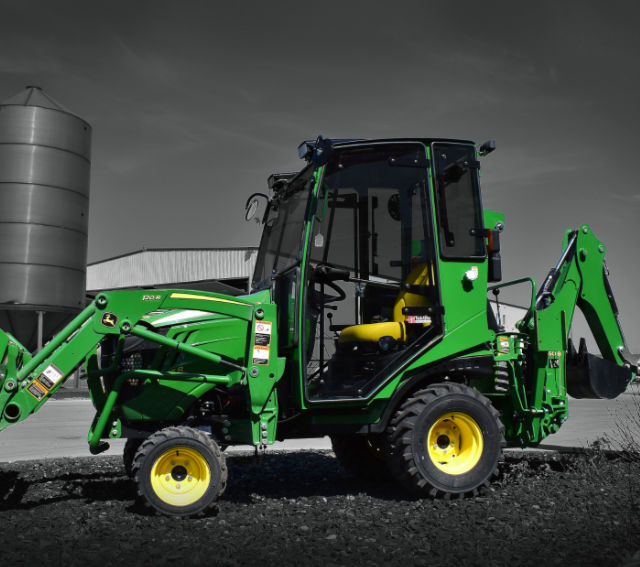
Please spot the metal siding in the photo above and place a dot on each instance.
(154, 267)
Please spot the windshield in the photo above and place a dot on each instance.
(375, 212)
(282, 234)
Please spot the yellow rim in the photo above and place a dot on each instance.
(180, 476)
(455, 443)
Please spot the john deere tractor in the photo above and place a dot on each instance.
(368, 321)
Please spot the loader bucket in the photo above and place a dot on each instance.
(589, 376)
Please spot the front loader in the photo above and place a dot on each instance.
(368, 321)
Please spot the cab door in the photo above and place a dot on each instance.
(461, 245)
(372, 228)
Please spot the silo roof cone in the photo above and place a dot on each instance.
(35, 96)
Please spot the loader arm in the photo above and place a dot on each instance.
(26, 382)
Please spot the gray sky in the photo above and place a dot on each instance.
(194, 104)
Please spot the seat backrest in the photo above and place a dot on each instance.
(421, 275)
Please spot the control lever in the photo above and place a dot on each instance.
(325, 274)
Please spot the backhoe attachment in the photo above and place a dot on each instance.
(580, 279)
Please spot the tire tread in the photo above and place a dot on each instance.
(179, 432)
(400, 437)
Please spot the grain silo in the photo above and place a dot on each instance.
(44, 206)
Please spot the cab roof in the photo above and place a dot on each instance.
(306, 147)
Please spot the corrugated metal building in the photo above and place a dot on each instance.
(209, 269)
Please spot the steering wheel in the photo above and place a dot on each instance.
(327, 275)
(333, 298)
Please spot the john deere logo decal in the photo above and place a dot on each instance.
(110, 320)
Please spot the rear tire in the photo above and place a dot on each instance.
(130, 449)
(361, 455)
(180, 471)
(445, 441)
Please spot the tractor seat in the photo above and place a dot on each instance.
(396, 329)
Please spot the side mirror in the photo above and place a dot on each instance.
(251, 206)
(487, 147)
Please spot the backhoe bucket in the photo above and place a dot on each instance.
(589, 376)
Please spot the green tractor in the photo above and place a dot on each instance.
(368, 321)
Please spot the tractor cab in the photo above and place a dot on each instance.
(358, 249)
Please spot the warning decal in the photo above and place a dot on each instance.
(35, 391)
(50, 376)
(260, 355)
(263, 333)
(504, 344)
(417, 319)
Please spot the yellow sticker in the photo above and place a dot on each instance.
(36, 391)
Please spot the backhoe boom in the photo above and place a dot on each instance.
(580, 279)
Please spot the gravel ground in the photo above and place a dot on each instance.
(302, 509)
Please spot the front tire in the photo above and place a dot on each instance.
(180, 471)
(445, 441)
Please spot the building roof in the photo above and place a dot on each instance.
(159, 266)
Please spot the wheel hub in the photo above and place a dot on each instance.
(180, 476)
(179, 473)
(455, 443)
